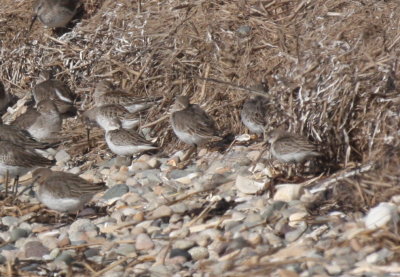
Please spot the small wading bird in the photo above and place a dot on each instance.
(126, 143)
(43, 124)
(105, 94)
(16, 161)
(55, 90)
(192, 124)
(254, 112)
(291, 148)
(54, 13)
(63, 191)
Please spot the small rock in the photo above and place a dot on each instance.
(10, 221)
(143, 242)
(248, 186)
(380, 257)
(144, 158)
(18, 233)
(139, 166)
(75, 170)
(177, 252)
(333, 269)
(287, 192)
(81, 231)
(162, 211)
(125, 249)
(62, 157)
(381, 215)
(131, 182)
(179, 208)
(186, 180)
(91, 252)
(296, 218)
(295, 234)
(199, 253)
(116, 192)
(154, 163)
(183, 244)
(65, 257)
(35, 249)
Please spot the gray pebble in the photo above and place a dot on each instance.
(10, 221)
(199, 253)
(65, 257)
(35, 249)
(116, 191)
(18, 233)
(177, 252)
(183, 244)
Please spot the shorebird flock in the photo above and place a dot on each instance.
(118, 113)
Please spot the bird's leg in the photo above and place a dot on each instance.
(189, 153)
(185, 160)
(88, 138)
(15, 186)
(7, 180)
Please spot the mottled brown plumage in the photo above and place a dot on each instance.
(105, 94)
(288, 147)
(18, 160)
(192, 124)
(54, 13)
(63, 191)
(42, 123)
(55, 90)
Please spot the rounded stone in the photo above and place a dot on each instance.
(116, 191)
(199, 253)
(18, 233)
(144, 242)
(35, 249)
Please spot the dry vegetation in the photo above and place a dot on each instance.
(331, 69)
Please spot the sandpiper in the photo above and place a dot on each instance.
(63, 191)
(126, 143)
(54, 13)
(105, 115)
(16, 160)
(5, 99)
(291, 148)
(20, 137)
(192, 124)
(105, 93)
(55, 90)
(254, 113)
(44, 123)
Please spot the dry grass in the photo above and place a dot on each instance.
(331, 68)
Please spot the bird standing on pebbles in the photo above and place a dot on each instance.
(291, 148)
(20, 137)
(43, 124)
(254, 113)
(126, 143)
(105, 94)
(54, 13)
(63, 191)
(192, 124)
(16, 160)
(55, 90)
(106, 115)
